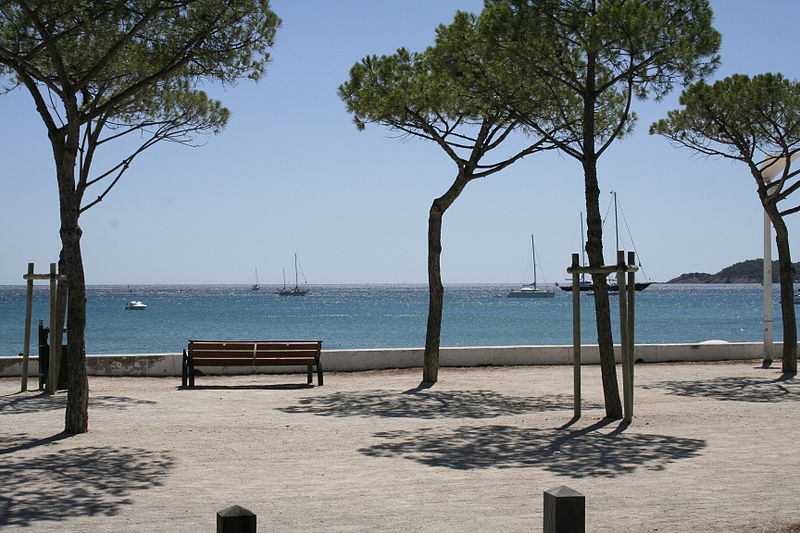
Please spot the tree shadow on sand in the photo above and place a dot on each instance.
(85, 481)
(23, 404)
(581, 453)
(736, 389)
(426, 403)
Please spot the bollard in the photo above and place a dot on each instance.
(44, 361)
(564, 511)
(236, 519)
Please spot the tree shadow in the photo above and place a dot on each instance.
(580, 453)
(85, 481)
(736, 389)
(427, 403)
(44, 402)
(19, 442)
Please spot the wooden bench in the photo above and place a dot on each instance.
(251, 353)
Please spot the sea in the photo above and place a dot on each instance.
(382, 316)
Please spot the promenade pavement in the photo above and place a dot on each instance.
(712, 448)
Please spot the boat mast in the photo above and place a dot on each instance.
(583, 250)
(616, 221)
(533, 253)
(296, 284)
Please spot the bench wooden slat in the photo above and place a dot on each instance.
(245, 353)
(289, 345)
(251, 353)
(240, 361)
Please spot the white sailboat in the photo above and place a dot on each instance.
(255, 286)
(532, 290)
(294, 291)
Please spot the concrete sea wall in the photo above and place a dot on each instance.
(169, 364)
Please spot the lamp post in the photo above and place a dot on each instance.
(767, 282)
(773, 166)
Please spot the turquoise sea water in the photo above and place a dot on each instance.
(380, 316)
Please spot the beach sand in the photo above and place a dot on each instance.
(712, 448)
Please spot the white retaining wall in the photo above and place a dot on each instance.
(169, 364)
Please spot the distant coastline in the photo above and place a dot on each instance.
(750, 271)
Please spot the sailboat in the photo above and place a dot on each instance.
(583, 285)
(296, 290)
(532, 290)
(612, 285)
(255, 286)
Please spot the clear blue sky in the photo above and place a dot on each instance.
(292, 174)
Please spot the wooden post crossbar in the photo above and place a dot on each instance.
(627, 289)
(55, 342)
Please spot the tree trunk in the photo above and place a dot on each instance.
(76, 418)
(594, 251)
(786, 276)
(430, 369)
(594, 247)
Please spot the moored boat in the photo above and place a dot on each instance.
(532, 290)
(588, 286)
(296, 290)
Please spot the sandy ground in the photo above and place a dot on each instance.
(713, 447)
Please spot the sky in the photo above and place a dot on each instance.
(291, 174)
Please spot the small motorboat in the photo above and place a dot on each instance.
(135, 305)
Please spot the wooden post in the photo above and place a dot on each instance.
(61, 315)
(626, 286)
(576, 339)
(43, 361)
(564, 511)
(623, 332)
(236, 519)
(52, 371)
(26, 344)
(631, 325)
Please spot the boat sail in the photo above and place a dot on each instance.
(255, 286)
(588, 286)
(294, 291)
(532, 290)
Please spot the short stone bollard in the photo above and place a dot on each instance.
(564, 511)
(236, 519)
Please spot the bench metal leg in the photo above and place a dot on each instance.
(309, 379)
(184, 370)
(191, 373)
(319, 374)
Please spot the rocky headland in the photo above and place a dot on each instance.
(750, 271)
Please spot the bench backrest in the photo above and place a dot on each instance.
(211, 350)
